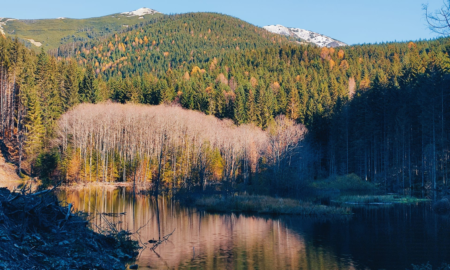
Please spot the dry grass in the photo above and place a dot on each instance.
(268, 205)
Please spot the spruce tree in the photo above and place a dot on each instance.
(240, 116)
(35, 129)
(293, 105)
(251, 106)
(88, 89)
(71, 86)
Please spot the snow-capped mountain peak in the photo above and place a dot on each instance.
(278, 29)
(309, 36)
(140, 12)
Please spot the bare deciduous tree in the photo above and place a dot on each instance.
(439, 20)
(168, 145)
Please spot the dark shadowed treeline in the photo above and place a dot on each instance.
(396, 131)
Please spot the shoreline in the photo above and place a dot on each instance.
(107, 185)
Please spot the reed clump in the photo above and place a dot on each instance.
(268, 205)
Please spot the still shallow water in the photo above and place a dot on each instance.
(380, 238)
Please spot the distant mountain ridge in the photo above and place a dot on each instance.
(52, 33)
(141, 12)
(306, 35)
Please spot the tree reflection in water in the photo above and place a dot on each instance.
(220, 241)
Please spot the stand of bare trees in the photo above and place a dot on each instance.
(170, 146)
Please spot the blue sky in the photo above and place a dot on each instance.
(351, 21)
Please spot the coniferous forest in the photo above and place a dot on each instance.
(376, 110)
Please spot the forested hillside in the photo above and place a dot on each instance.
(375, 110)
(172, 42)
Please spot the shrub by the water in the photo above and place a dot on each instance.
(348, 182)
(442, 206)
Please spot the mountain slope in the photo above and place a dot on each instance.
(52, 33)
(308, 36)
(172, 41)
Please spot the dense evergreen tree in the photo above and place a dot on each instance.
(70, 91)
(88, 88)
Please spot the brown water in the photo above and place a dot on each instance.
(386, 238)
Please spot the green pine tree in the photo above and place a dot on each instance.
(88, 88)
(35, 129)
(240, 116)
(71, 86)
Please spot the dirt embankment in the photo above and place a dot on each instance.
(8, 173)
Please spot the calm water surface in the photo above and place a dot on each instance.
(381, 238)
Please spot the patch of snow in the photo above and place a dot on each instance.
(278, 29)
(309, 36)
(140, 12)
(141, 18)
(2, 31)
(1, 26)
(35, 43)
(60, 18)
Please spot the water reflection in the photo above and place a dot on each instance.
(375, 238)
(206, 241)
